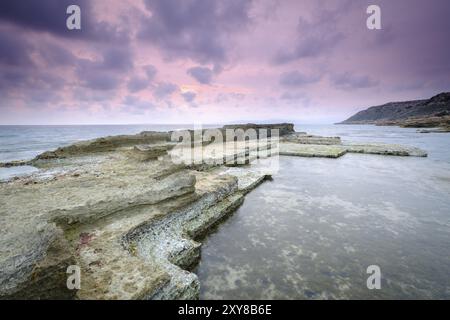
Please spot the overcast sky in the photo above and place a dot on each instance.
(206, 61)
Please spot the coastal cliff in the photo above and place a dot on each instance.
(428, 113)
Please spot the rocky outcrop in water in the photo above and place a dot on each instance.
(304, 138)
(440, 123)
(105, 144)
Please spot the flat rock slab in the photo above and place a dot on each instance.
(435, 130)
(385, 149)
(336, 151)
(311, 150)
(304, 138)
(31, 210)
(249, 178)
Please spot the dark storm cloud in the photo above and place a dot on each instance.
(23, 76)
(107, 73)
(315, 37)
(20, 76)
(201, 74)
(28, 57)
(194, 29)
(118, 59)
(12, 78)
(17, 50)
(92, 75)
(29, 85)
(56, 55)
(14, 50)
(50, 16)
(298, 79)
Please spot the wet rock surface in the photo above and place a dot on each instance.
(129, 215)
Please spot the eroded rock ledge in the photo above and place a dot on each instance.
(130, 217)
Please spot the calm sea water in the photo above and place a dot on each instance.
(312, 232)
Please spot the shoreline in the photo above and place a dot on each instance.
(129, 216)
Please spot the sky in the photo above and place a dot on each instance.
(208, 61)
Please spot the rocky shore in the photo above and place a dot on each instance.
(434, 123)
(131, 215)
(433, 113)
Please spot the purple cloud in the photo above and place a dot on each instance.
(14, 50)
(151, 72)
(107, 73)
(164, 90)
(137, 84)
(348, 81)
(50, 16)
(189, 96)
(201, 74)
(21, 76)
(315, 37)
(195, 29)
(120, 59)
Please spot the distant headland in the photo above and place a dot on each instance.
(427, 113)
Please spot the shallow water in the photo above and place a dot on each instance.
(312, 232)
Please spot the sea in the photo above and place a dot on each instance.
(320, 226)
